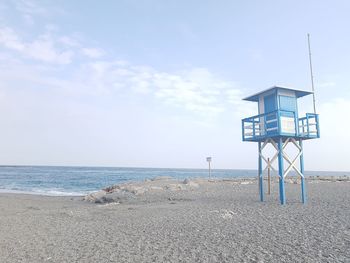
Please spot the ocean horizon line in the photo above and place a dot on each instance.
(150, 167)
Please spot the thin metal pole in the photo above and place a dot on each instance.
(312, 75)
(209, 170)
(268, 176)
(261, 186)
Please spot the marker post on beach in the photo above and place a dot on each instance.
(209, 161)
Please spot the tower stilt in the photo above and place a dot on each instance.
(303, 190)
(281, 172)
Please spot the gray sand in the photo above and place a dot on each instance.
(216, 222)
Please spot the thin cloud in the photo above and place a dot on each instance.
(29, 10)
(43, 48)
(194, 90)
(10, 39)
(69, 41)
(329, 84)
(93, 52)
(332, 114)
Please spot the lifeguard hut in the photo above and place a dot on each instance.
(278, 124)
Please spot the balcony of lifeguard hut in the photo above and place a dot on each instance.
(278, 116)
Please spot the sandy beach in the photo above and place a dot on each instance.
(219, 221)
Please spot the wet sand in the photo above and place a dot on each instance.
(213, 222)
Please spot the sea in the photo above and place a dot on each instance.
(77, 181)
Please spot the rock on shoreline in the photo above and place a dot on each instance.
(164, 186)
(127, 192)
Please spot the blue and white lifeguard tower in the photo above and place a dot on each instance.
(278, 124)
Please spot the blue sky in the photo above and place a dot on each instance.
(159, 83)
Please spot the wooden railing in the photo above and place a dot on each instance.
(280, 123)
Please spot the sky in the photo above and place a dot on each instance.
(160, 83)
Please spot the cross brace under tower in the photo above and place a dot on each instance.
(280, 145)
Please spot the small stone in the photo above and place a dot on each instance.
(156, 188)
(117, 197)
(158, 178)
(95, 196)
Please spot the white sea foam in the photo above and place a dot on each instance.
(46, 192)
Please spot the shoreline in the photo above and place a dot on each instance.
(289, 179)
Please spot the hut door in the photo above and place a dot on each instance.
(288, 107)
(270, 106)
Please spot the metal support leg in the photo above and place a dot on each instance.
(261, 186)
(303, 190)
(281, 172)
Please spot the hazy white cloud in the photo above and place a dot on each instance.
(241, 108)
(9, 39)
(93, 52)
(334, 115)
(328, 84)
(195, 90)
(68, 41)
(42, 48)
(334, 141)
(29, 10)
